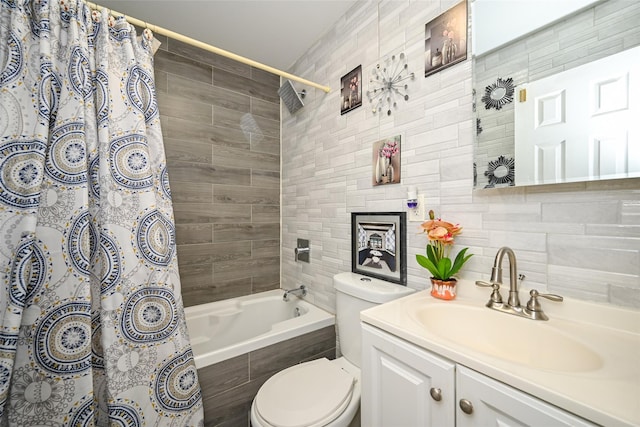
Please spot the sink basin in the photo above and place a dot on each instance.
(531, 343)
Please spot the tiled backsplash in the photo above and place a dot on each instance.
(221, 128)
(579, 240)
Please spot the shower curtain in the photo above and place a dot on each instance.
(92, 327)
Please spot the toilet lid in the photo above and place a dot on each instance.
(309, 394)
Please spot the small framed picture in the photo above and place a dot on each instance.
(445, 39)
(386, 161)
(379, 244)
(351, 90)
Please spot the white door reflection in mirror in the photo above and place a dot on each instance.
(581, 124)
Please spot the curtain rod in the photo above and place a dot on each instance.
(210, 48)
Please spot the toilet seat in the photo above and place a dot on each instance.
(309, 394)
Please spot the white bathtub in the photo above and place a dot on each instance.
(224, 329)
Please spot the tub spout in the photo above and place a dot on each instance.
(302, 289)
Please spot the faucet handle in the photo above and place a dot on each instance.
(483, 284)
(496, 298)
(534, 304)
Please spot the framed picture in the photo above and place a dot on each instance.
(386, 161)
(351, 90)
(379, 244)
(445, 39)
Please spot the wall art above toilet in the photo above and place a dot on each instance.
(379, 244)
(351, 90)
(386, 161)
(445, 39)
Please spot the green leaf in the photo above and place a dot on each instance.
(431, 254)
(426, 263)
(459, 261)
(444, 267)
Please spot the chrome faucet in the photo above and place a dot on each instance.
(496, 274)
(533, 309)
(302, 289)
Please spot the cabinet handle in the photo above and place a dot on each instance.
(466, 406)
(436, 394)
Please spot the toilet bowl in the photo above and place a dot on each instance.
(322, 392)
(316, 393)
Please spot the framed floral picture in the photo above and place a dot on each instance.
(351, 90)
(379, 244)
(445, 39)
(386, 161)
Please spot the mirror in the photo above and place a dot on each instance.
(553, 91)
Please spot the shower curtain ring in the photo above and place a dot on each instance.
(147, 32)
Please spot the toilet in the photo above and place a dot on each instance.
(326, 392)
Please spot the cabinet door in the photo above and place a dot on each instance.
(397, 383)
(496, 404)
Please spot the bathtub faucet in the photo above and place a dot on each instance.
(302, 289)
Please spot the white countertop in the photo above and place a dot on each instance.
(608, 395)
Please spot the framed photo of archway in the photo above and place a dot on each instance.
(379, 244)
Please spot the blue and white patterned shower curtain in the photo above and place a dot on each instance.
(92, 328)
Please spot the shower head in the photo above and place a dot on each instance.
(291, 98)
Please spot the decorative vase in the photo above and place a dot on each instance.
(382, 167)
(443, 289)
(385, 165)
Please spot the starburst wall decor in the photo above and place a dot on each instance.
(498, 94)
(501, 171)
(387, 83)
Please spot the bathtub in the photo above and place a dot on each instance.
(224, 329)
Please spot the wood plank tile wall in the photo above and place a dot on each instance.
(229, 387)
(221, 128)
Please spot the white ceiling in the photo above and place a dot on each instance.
(275, 33)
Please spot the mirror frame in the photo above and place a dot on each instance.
(510, 65)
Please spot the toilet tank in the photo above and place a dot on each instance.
(355, 293)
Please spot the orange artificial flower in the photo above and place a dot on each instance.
(437, 261)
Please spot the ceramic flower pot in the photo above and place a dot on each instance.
(443, 289)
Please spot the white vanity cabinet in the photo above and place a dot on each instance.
(404, 385)
(492, 403)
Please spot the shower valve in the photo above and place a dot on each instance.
(302, 250)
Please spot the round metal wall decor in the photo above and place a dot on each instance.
(498, 94)
(501, 171)
(387, 83)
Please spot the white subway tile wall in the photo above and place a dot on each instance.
(580, 240)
